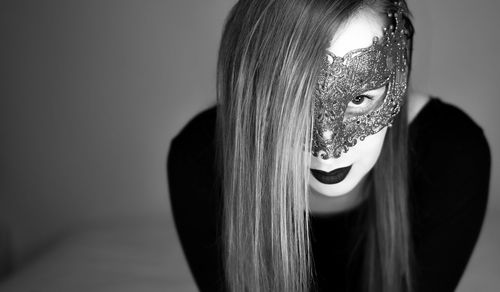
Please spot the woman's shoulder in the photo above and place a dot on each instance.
(443, 138)
(445, 122)
(192, 157)
(449, 184)
(198, 130)
(447, 147)
(194, 197)
(450, 161)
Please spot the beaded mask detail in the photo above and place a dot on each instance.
(341, 79)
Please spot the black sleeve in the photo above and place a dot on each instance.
(452, 192)
(194, 201)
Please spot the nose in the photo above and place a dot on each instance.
(323, 156)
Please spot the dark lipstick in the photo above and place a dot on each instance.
(332, 177)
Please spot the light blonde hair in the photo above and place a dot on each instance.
(269, 57)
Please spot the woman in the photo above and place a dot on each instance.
(318, 170)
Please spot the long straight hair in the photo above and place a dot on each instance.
(269, 58)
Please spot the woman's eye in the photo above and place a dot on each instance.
(365, 102)
(359, 99)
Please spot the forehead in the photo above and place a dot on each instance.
(357, 32)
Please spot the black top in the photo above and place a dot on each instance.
(449, 180)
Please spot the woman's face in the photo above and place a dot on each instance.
(351, 167)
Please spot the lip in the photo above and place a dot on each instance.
(332, 177)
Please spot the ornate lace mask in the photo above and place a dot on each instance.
(341, 79)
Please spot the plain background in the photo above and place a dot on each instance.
(92, 92)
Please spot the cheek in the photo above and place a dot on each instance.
(369, 150)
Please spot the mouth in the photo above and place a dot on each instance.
(333, 177)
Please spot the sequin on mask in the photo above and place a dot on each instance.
(384, 63)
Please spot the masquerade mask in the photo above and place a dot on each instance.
(384, 64)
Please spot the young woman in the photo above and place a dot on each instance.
(318, 170)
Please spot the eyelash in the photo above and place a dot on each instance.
(363, 96)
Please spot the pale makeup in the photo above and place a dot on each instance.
(358, 32)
